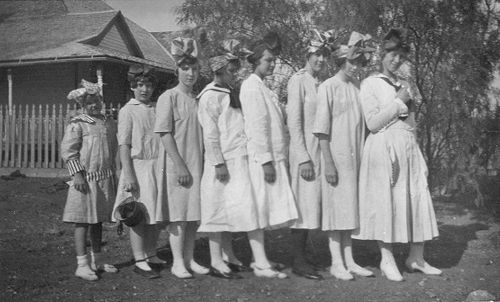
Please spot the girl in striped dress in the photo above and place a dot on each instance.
(88, 149)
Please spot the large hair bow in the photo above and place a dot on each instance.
(184, 48)
(233, 50)
(356, 46)
(87, 88)
(322, 40)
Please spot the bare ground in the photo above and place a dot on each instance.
(37, 260)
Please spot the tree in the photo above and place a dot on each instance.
(455, 47)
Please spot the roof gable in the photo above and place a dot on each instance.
(116, 36)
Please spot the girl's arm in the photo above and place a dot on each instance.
(322, 130)
(331, 174)
(165, 126)
(180, 169)
(130, 180)
(376, 116)
(70, 153)
(124, 137)
(209, 112)
(256, 116)
(295, 122)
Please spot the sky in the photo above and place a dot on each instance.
(153, 15)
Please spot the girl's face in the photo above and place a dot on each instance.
(188, 74)
(266, 64)
(352, 67)
(317, 61)
(393, 60)
(230, 74)
(93, 105)
(143, 91)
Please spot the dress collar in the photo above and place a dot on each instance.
(136, 102)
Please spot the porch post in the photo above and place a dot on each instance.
(9, 80)
(99, 73)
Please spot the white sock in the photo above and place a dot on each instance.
(141, 264)
(83, 269)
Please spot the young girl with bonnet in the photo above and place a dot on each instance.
(88, 150)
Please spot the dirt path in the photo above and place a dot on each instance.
(37, 260)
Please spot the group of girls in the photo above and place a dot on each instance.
(218, 162)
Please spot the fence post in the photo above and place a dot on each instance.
(13, 137)
(53, 137)
(7, 138)
(32, 136)
(60, 134)
(39, 146)
(26, 120)
(46, 137)
(19, 135)
(1, 135)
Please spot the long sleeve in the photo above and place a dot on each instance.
(257, 122)
(377, 116)
(295, 119)
(323, 121)
(70, 148)
(209, 112)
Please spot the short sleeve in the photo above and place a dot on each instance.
(323, 122)
(164, 121)
(125, 126)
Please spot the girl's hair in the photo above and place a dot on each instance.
(149, 77)
(271, 42)
(322, 51)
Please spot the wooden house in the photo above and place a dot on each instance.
(47, 46)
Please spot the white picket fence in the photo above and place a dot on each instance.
(31, 134)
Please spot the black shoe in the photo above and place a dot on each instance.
(238, 268)
(156, 266)
(306, 272)
(217, 273)
(148, 274)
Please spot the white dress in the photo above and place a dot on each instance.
(265, 130)
(135, 128)
(304, 147)
(394, 199)
(339, 116)
(225, 206)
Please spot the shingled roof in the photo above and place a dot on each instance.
(46, 30)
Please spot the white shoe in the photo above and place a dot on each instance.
(426, 268)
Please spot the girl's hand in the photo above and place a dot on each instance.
(80, 183)
(183, 176)
(403, 95)
(221, 172)
(331, 174)
(307, 170)
(130, 184)
(269, 172)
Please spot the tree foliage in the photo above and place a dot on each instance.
(455, 51)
